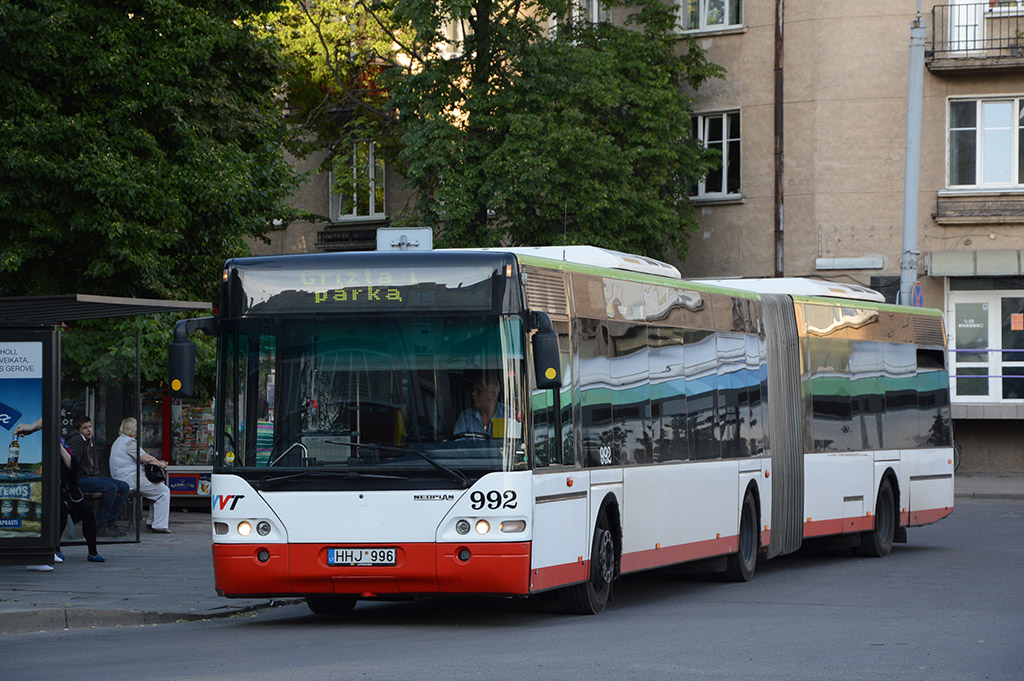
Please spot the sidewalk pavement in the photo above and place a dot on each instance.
(164, 578)
(169, 577)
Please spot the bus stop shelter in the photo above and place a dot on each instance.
(30, 390)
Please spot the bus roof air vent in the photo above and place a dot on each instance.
(799, 286)
(596, 257)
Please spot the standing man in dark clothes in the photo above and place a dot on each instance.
(90, 479)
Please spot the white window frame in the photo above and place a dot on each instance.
(375, 185)
(454, 43)
(592, 11)
(996, 364)
(704, 10)
(1016, 131)
(702, 121)
(581, 12)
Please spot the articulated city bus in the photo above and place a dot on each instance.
(520, 421)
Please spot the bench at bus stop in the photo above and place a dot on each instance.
(73, 536)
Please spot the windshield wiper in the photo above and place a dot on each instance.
(267, 482)
(455, 474)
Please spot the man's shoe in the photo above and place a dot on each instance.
(39, 568)
(160, 530)
(110, 532)
(58, 557)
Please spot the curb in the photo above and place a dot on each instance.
(52, 619)
(990, 495)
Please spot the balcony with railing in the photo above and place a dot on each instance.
(969, 37)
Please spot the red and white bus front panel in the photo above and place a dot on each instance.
(369, 543)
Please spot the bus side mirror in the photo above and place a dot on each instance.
(181, 365)
(547, 361)
(181, 355)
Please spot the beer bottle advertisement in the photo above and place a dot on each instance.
(21, 408)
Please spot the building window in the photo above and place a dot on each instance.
(710, 15)
(987, 363)
(986, 142)
(591, 11)
(582, 12)
(720, 132)
(454, 32)
(357, 184)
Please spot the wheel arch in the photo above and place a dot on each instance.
(894, 484)
(753, 490)
(609, 507)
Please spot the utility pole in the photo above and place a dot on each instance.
(780, 192)
(912, 170)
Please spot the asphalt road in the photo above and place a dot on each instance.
(948, 605)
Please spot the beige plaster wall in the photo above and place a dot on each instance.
(313, 196)
(845, 93)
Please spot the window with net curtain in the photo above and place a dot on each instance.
(986, 142)
(710, 15)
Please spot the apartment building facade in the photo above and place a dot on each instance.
(814, 111)
(811, 123)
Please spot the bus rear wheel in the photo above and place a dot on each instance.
(878, 542)
(329, 604)
(591, 597)
(740, 565)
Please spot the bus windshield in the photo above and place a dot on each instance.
(381, 396)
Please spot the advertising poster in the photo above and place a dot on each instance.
(21, 461)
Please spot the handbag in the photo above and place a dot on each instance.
(153, 472)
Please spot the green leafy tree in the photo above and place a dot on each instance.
(527, 138)
(333, 55)
(141, 144)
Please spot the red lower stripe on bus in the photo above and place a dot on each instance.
(491, 569)
(422, 568)
(237, 571)
(542, 579)
(929, 516)
(824, 528)
(557, 576)
(680, 553)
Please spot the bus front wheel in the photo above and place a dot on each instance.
(591, 597)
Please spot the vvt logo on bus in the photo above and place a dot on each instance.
(221, 501)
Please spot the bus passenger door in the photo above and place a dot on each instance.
(560, 527)
(561, 507)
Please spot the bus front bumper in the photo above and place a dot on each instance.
(264, 570)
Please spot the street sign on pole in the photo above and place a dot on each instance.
(917, 297)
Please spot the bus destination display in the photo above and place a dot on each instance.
(367, 288)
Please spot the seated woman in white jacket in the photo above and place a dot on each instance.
(125, 456)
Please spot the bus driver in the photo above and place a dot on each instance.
(476, 423)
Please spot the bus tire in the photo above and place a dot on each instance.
(591, 597)
(330, 604)
(878, 542)
(740, 565)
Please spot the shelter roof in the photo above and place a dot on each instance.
(52, 310)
